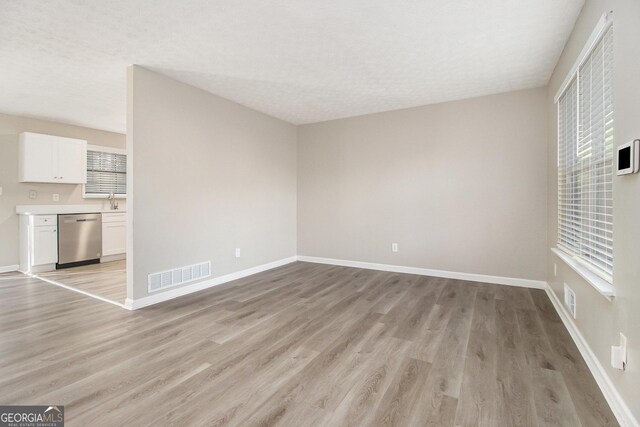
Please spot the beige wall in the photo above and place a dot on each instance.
(598, 319)
(460, 186)
(15, 193)
(209, 175)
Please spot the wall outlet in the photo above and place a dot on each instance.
(394, 247)
(237, 252)
(555, 270)
(0, 191)
(619, 354)
(33, 194)
(56, 197)
(570, 300)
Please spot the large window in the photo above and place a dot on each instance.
(106, 173)
(585, 159)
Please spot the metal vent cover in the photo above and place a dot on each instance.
(178, 276)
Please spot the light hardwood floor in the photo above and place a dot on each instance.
(107, 280)
(304, 344)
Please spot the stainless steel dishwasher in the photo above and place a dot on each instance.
(79, 239)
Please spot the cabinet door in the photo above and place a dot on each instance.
(45, 245)
(37, 154)
(114, 238)
(71, 159)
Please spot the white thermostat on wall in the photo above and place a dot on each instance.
(628, 161)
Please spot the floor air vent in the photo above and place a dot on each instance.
(178, 276)
(570, 300)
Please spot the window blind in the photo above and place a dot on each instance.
(585, 161)
(106, 173)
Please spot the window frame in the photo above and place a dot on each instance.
(604, 280)
(103, 149)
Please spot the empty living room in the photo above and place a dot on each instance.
(319, 213)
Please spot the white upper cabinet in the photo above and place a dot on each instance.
(52, 159)
(72, 161)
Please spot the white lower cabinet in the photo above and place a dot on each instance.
(45, 244)
(114, 234)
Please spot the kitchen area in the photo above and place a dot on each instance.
(78, 246)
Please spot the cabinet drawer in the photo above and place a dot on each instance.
(114, 217)
(39, 220)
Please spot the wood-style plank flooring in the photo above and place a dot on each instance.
(107, 280)
(301, 345)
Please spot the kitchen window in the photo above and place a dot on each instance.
(585, 156)
(106, 173)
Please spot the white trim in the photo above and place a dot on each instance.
(614, 399)
(498, 280)
(80, 291)
(9, 268)
(602, 26)
(104, 149)
(605, 288)
(130, 181)
(134, 304)
(100, 196)
(111, 258)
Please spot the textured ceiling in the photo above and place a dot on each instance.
(300, 60)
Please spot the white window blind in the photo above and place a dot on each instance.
(585, 161)
(106, 173)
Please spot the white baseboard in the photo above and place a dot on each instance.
(9, 268)
(511, 281)
(110, 258)
(614, 399)
(134, 304)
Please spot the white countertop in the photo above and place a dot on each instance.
(63, 209)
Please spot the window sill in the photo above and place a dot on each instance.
(103, 196)
(605, 288)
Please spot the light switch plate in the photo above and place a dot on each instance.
(237, 252)
(56, 197)
(394, 247)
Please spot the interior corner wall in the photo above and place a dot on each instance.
(599, 320)
(460, 186)
(209, 176)
(17, 193)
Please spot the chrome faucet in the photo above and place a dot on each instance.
(113, 201)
